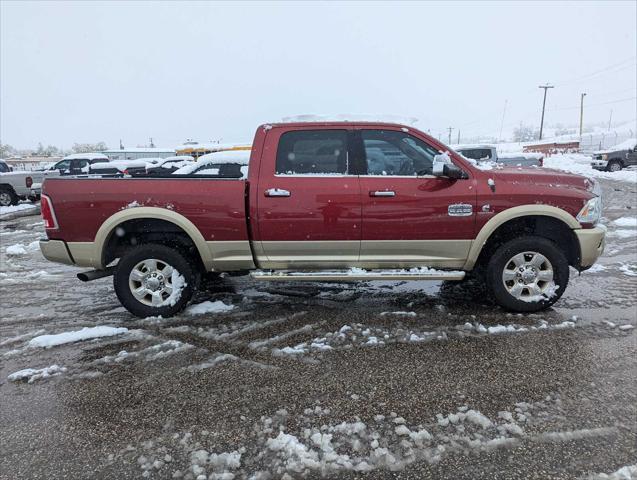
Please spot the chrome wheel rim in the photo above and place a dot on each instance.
(150, 282)
(5, 199)
(528, 275)
(615, 167)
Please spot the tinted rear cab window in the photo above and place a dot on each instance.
(312, 152)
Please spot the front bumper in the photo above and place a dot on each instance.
(591, 242)
(56, 251)
(599, 164)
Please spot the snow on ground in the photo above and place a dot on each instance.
(630, 222)
(313, 443)
(17, 208)
(628, 472)
(32, 374)
(629, 269)
(581, 164)
(209, 307)
(22, 249)
(148, 354)
(47, 341)
(360, 335)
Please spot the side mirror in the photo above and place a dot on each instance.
(444, 167)
(439, 163)
(453, 171)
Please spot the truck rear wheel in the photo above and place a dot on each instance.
(154, 280)
(527, 274)
(8, 197)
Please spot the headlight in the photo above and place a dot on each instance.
(591, 212)
(604, 156)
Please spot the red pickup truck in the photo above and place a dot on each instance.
(331, 201)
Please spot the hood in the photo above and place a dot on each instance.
(543, 176)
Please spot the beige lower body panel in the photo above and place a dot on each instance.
(229, 256)
(85, 254)
(592, 243)
(366, 254)
(413, 253)
(55, 251)
(307, 254)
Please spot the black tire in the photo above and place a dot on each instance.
(8, 197)
(166, 255)
(506, 252)
(614, 166)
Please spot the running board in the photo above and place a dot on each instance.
(357, 275)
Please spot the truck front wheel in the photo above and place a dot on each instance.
(527, 274)
(154, 280)
(614, 166)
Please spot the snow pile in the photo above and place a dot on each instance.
(629, 269)
(628, 472)
(17, 208)
(148, 354)
(626, 222)
(581, 164)
(209, 307)
(87, 333)
(20, 249)
(33, 374)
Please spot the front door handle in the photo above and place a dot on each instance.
(277, 192)
(382, 193)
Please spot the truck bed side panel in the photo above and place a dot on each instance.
(215, 207)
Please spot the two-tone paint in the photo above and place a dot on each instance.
(334, 221)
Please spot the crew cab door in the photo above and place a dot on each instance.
(411, 217)
(308, 200)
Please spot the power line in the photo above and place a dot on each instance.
(620, 100)
(615, 68)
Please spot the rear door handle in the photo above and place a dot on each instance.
(277, 192)
(382, 193)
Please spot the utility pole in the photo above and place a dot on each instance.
(581, 114)
(458, 142)
(504, 111)
(449, 129)
(545, 87)
(610, 119)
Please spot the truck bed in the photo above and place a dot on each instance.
(216, 207)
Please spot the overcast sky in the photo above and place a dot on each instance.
(88, 72)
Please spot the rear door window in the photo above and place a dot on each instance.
(312, 152)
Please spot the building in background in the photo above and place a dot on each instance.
(196, 149)
(138, 153)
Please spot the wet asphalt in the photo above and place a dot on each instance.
(559, 388)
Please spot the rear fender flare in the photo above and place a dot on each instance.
(110, 224)
(509, 214)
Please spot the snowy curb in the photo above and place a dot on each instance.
(25, 212)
